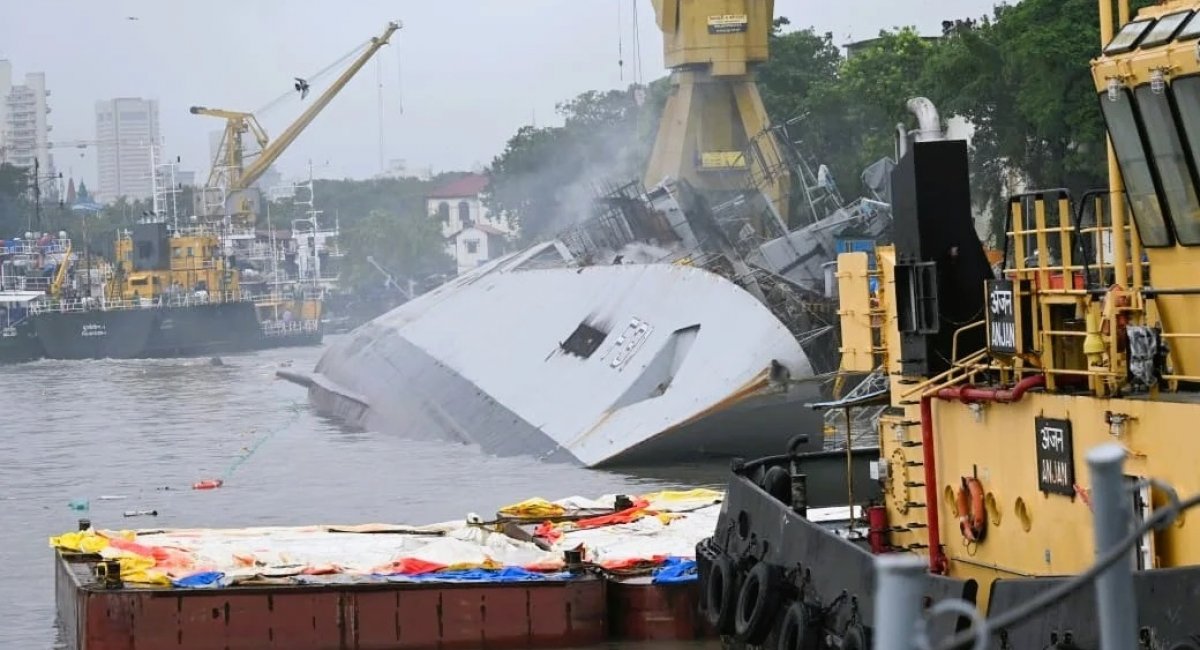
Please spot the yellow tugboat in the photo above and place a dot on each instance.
(997, 383)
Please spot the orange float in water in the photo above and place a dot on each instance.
(209, 484)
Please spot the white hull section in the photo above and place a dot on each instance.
(679, 344)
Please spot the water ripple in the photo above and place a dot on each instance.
(80, 430)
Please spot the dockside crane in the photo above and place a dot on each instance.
(714, 131)
(229, 188)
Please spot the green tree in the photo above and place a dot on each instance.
(1022, 78)
(875, 86)
(408, 247)
(351, 200)
(842, 112)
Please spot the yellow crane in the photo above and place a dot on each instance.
(714, 114)
(228, 190)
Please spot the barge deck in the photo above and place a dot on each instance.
(573, 573)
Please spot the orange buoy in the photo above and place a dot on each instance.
(208, 484)
(972, 516)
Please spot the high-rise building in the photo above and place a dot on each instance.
(24, 131)
(126, 129)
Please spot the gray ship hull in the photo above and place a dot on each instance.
(687, 365)
(442, 402)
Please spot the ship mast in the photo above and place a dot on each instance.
(164, 188)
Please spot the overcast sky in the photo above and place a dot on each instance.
(457, 81)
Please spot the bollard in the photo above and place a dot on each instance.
(799, 478)
(108, 574)
(1117, 608)
(898, 600)
(573, 559)
(85, 524)
(800, 493)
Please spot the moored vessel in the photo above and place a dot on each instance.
(172, 294)
(1000, 384)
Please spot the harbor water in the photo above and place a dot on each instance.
(96, 439)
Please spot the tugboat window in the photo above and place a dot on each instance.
(584, 341)
(1128, 37)
(1165, 29)
(1186, 92)
(1139, 179)
(1170, 161)
(1191, 30)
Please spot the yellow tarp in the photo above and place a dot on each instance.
(88, 541)
(135, 569)
(533, 508)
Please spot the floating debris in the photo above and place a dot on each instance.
(141, 513)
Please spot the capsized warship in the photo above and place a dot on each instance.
(662, 327)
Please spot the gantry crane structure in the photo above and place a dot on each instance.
(714, 131)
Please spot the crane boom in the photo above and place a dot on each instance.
(272, 151)
(230, 175)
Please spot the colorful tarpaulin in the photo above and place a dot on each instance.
(656, 530)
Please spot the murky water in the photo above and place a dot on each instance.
(87, 430)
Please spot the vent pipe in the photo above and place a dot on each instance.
(901, 140)
(927, 118)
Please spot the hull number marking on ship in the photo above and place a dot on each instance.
(93, 330)
(1055, 456)
(166, 324)
(628, 343)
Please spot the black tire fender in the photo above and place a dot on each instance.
(778, 483)
(757, 603)
(855, 638)
(720, 594)
(796, 629)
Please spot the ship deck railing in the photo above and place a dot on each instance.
(31, 247)
(110, 304)
(24, 283)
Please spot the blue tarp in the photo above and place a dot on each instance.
(200, 580)
(676, 569)
(507, 574)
